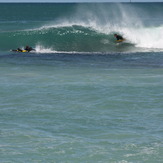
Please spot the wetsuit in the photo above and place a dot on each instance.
(28, 48)
(118, 37)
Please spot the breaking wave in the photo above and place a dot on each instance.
(91, 31)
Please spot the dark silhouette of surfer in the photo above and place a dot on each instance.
(26, 49)
(118, 37)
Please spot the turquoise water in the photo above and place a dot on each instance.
(81, 108)
(80, 97)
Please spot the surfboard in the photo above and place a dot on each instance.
(121, 40)
(22, 51)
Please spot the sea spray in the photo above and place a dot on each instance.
(86, 28)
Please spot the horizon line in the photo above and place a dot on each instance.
(84, 2)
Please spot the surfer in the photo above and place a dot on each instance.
(119, 37)
(27, 48)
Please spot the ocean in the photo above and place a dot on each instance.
(81, 97)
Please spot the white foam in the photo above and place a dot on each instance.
(130, 26)
(42, 49)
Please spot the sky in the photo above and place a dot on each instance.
(80, 1)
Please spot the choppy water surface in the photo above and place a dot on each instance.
(81, 97)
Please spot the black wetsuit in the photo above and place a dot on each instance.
(28, 48)
(118, 37)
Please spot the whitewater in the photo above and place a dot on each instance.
(85, 29)
(81, 97)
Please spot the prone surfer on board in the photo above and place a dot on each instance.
(26, 49)
(119, 38)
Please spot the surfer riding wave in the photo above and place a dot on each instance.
(119, 38)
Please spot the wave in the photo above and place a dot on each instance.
(85, 39)
(90, 31)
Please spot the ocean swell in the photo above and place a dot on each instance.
(91, 31)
